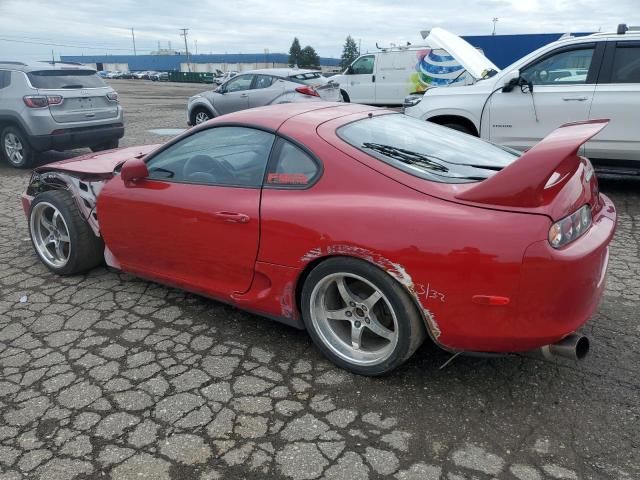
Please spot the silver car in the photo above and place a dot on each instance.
(257, 88)
(55, 106)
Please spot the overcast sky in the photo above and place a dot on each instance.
(251, 26)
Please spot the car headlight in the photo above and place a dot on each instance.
(412, 100)
(570, 228)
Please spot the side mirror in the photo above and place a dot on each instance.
(220, 90)
(510, 80)
(349, 70)
(134, 170)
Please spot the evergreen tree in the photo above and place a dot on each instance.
(295, 52)
(349, 52)
(309, 58)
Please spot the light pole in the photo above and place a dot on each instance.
(133, 37)
(495, 20)
(185, 32)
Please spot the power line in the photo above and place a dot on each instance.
(52, 44)
(76, 43)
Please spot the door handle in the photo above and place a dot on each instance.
(574, 99)
(244, 95)
(373, 79)
(233, 217)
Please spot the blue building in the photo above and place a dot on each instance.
(167, 63)
(503, 50)
(500, 49)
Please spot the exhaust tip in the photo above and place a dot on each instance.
(573, 347)
(582, 347)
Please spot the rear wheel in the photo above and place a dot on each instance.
(15, 148)
(360, 317)
(62, 239)
(106, 146)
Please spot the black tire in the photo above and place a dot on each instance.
(345, 96)
(110, 145)
(9, 136)
(200, 111)
(460, 128)
(86, 250)
(411, 330)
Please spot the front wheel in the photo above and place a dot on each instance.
(459, 127)
(60, 236)
(200, 115)
(360, 317)
(345, 96)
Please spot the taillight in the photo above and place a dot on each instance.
(307, 90)
(41, 101)
(570, 228)
(113, 96)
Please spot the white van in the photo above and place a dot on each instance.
(388, 76)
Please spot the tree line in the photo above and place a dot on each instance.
(308, 58)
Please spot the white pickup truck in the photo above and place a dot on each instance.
(572, 79)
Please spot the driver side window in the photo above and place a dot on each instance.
(239, 83)
(566, 67)
(363, 66)
(231, 156)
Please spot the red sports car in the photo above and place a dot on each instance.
(369, 229)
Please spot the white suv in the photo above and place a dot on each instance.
(572, 79)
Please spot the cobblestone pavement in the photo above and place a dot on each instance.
(109, 376)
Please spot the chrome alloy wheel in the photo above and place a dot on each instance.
(50, 234)
(201, 117)
(13, 148)
(354, 319)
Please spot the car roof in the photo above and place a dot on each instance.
(282, 72)
(631, 35)
(43, 65)
(273, 116)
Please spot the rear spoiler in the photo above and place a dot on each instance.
(523, 183)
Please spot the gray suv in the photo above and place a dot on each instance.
(55, 106)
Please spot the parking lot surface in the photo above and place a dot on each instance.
(109, 376)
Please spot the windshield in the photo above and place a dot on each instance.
(65, 79)
(427, 150)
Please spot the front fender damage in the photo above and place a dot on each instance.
(83, 191)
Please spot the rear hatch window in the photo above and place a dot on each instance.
(58, 79)
(427, 150)
(312, 79)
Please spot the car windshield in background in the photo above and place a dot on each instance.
(427, 150)
(311, 79)
(65, 79)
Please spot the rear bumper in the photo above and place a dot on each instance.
(66, 139)
(554, 293)
(561, 289)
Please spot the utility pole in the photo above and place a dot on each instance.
(196, 47)
(185, 32)
(495, 20)
(133, 37)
